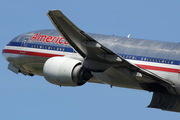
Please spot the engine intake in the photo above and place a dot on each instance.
(65, 71)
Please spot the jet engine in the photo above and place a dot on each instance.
(65, 71)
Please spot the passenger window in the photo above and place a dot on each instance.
(130, 57)
(32, 46)
(162, 61)
(57, 48)
(41, 46)
(171, 62)
(127, 56)
(142, 58)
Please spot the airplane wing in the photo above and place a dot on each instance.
(92, 50)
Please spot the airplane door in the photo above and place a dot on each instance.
(23, 45)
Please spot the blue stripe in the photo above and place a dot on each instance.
(125, 56)
(150, 59)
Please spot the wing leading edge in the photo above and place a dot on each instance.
(93, 51)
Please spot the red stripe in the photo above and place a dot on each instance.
(158, 68)
(53, 55)
(30, 53)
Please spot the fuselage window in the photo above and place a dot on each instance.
(46, 47)
(49, 47)
(142, 58)
(171, 62)
(37, 46)
(32, 46)
(57, 48)
(162, 61)
(40, 46)
(60, 49)
(127, 56)
(63, 49)
(130, 57)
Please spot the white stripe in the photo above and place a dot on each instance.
(38, 50)
(70, 53)
(154, 64)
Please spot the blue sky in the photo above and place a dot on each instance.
(27, 98)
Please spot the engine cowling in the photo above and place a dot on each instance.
(65, 71)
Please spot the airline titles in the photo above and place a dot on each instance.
(49, 39)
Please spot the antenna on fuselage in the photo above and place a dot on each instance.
(128, 36)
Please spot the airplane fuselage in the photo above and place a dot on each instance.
(70, 57)
(29, 51)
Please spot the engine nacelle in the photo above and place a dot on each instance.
(65, 71)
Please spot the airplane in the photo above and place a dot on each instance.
(70, 57)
